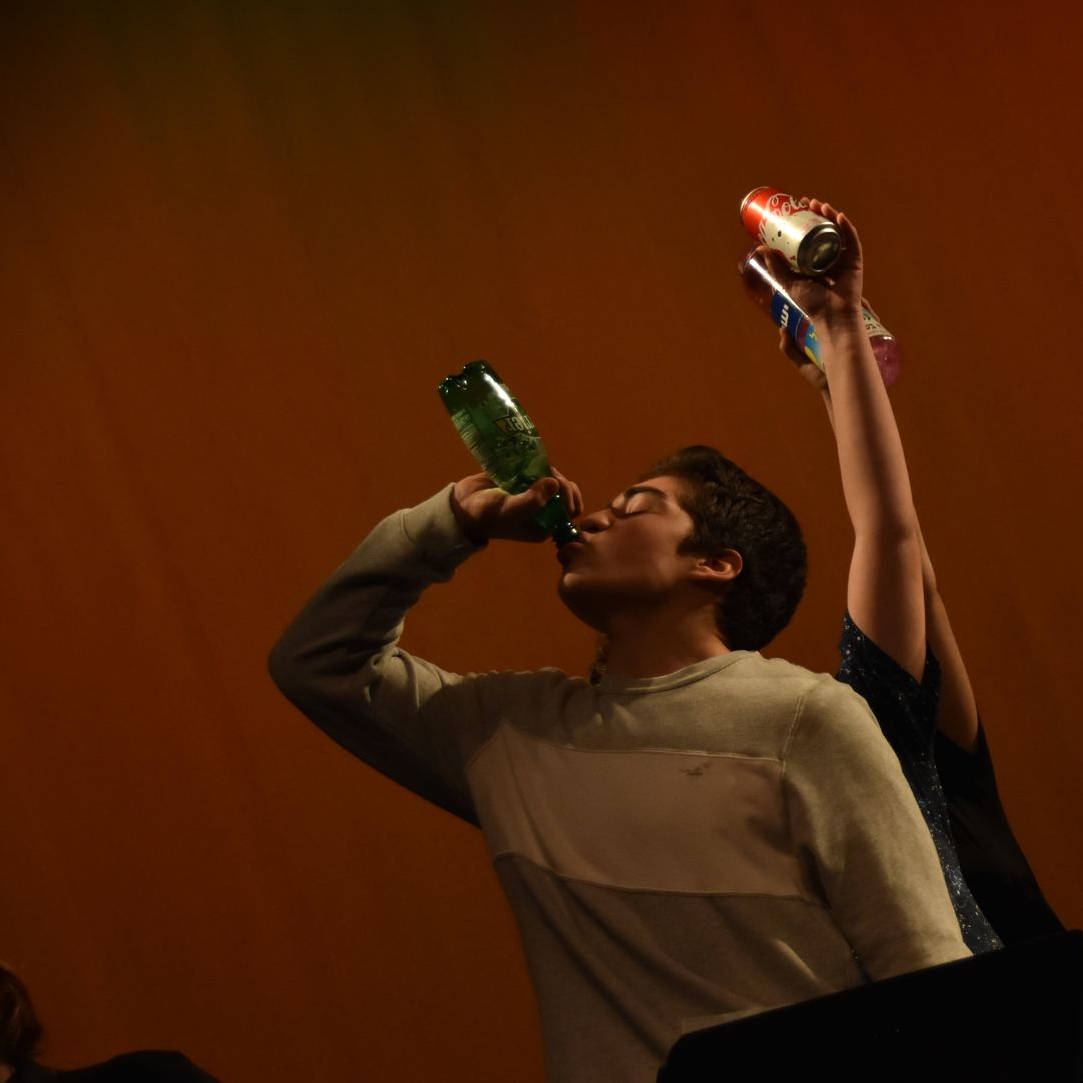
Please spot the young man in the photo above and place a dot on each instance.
(700, 834)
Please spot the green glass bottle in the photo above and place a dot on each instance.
(503, 439)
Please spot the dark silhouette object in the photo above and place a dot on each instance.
(20, 1031)
(20, 1038)
(146, 1066)
(1011, 1015)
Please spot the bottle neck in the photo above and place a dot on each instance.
(554, 519)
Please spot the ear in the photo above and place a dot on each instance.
(720, 568)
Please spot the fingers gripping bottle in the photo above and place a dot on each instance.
(500, 435)
(771, 296)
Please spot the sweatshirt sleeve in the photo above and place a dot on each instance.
(862, 836)
(340, 664)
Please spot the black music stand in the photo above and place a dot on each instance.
(1013, 1015)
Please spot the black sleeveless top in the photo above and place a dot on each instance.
(906, 712)
(991, 884)
(141, 1066)
(992, 861)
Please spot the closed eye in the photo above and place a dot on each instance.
(639, 504)
(637, 500)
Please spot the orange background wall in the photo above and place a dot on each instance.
(240, 244)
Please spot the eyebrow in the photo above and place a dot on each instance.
(634, 490)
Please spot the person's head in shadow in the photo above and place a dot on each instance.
(20, 1031)
(20, 1042)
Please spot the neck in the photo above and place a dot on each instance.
(652, 646)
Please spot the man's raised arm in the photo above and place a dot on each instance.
(339, 661)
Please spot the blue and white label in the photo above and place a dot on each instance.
(796, 324)
(784, 311)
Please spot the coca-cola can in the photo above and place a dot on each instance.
(810, 242)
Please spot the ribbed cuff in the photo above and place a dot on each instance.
(433, 528)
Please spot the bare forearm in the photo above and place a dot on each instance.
(875, 482)
(957, 711)
(884, 591)
(957, 714)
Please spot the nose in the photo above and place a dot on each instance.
(595, 522)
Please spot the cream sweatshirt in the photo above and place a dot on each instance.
(678, 850)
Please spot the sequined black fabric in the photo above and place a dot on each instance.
(995, 868)
(906, 712)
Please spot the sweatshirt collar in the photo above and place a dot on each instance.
(622, 686)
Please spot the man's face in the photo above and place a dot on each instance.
(628, 558)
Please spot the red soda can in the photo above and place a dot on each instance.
(810, 242)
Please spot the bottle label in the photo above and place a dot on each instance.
(783, 310)
(786, 229)
(796, 324)
(507, 446)
(513, 425)
(873, 327)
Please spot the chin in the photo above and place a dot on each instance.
(587, 607)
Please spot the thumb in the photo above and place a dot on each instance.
(545, 489)
(779, 267)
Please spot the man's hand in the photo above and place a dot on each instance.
(484, 512)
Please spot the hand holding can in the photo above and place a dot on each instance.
(810, 242)
(800, 305)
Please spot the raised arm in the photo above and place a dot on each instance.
(339, 661)
(885, 594)
(872, 445)
(957, 712)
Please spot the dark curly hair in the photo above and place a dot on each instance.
(731, 510)
(20, 1031)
